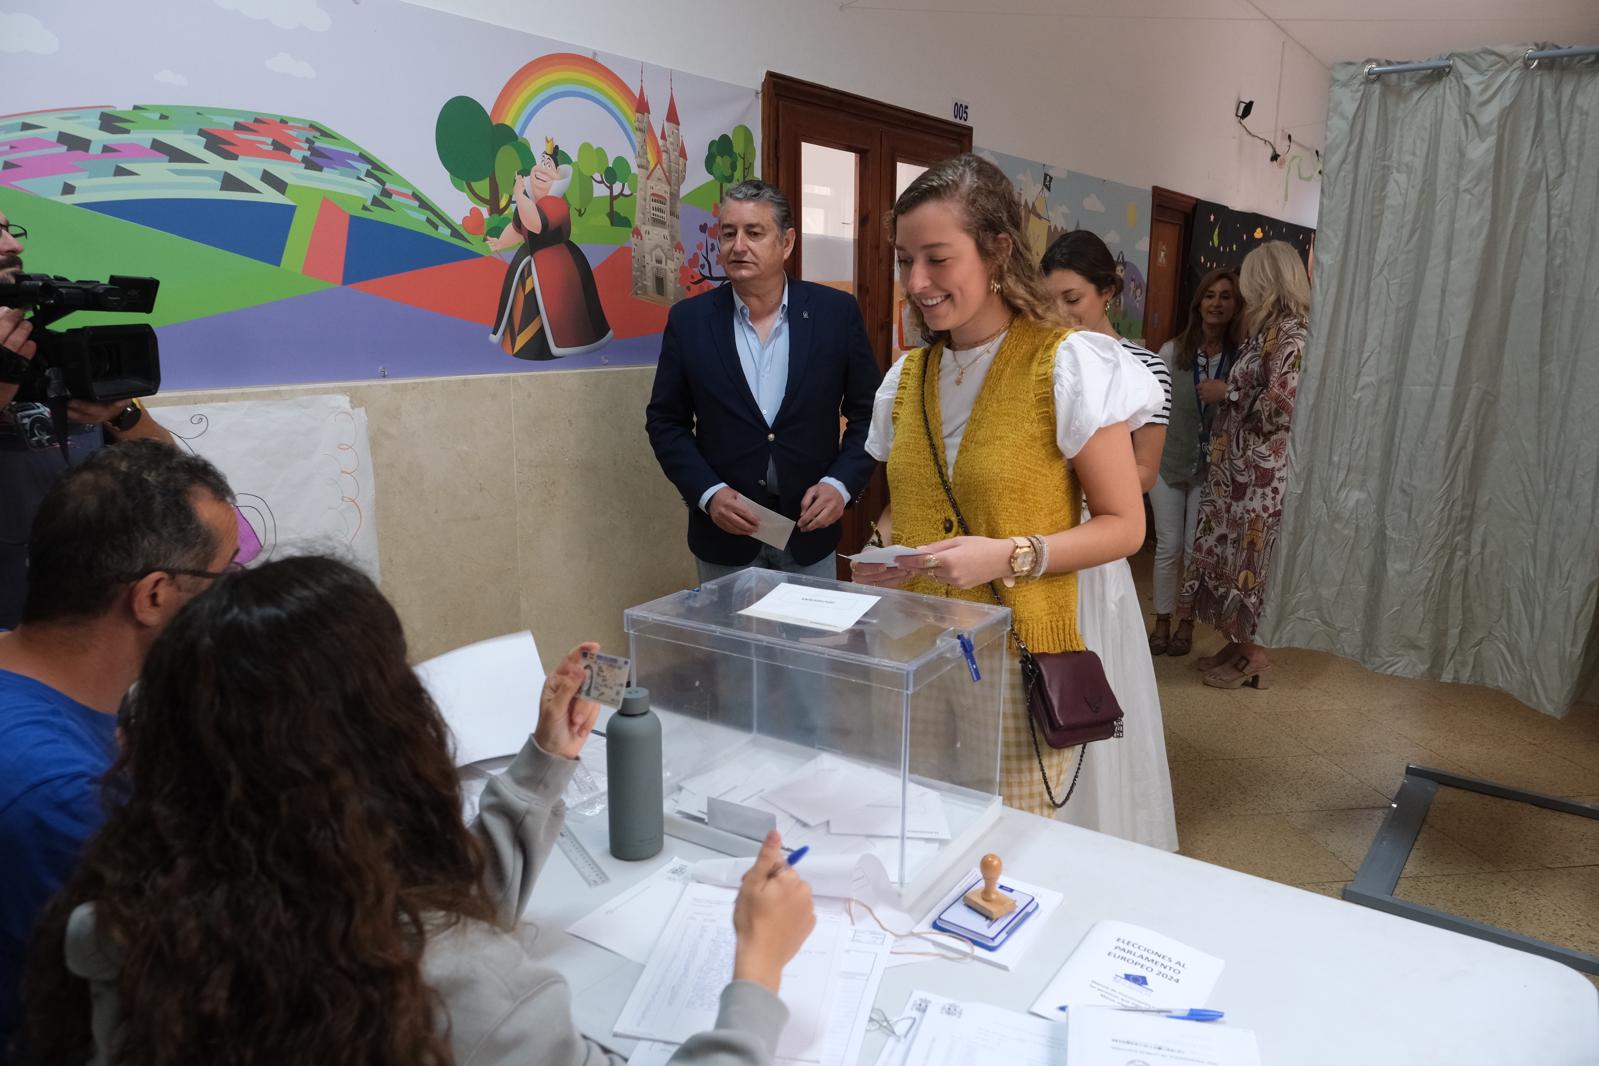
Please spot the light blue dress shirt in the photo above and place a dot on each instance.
(765, 366)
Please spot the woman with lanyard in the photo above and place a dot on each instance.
(1199, 359)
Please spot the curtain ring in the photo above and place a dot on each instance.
(1531, 63)
(1371, 72)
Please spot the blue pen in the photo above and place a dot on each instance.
(970, 653)
(1192, 1014)
(798, 853)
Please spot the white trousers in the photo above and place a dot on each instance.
(1176, 509)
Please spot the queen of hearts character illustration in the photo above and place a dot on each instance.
(549, 304)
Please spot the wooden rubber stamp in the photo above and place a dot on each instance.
(989, 901)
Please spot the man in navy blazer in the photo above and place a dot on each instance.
(751, 382)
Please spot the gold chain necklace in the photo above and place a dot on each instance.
(981, 350)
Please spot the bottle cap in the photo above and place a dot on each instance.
(634, 701)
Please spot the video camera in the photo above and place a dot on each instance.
(101, 364)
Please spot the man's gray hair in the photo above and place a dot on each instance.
(757, 191)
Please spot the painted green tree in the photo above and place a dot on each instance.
(730, 158)
(615, 176)
(482, 157)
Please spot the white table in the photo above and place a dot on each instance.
(1319, 980)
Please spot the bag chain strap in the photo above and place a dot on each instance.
(993, 590)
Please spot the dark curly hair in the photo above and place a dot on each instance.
(290, 837)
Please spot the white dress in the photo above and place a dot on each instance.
(1125, 788)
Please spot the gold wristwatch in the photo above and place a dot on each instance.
(1023, 558)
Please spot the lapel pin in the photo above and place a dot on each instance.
(805, 314)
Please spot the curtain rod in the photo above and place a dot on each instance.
(1445, 66)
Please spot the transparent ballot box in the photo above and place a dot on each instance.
(883, 737)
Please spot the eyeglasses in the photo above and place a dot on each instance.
(210, 575)
(19, 232)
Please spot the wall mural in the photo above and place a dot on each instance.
(1222, 237)
(347, 192)
(1056, 200)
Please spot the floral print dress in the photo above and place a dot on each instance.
(1241, 505)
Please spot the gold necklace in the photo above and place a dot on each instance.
(980, 349)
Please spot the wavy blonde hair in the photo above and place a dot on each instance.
(989, 209)
(1274, 285)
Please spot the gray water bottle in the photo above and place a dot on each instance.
(633, 769)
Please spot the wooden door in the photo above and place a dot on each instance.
(842, 160)
(1166, 305)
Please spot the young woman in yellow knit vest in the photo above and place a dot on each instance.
(1026, 413)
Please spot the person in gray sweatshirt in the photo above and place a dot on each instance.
(284, 875)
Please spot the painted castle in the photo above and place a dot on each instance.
(657, 235)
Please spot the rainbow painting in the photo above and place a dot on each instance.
(567, 75)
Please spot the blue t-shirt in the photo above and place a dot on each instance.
(53, 753)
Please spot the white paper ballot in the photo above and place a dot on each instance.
(889, 555)
(925, 817)
(841, 877)
(488, 693)
(771, 527)
(1123, 965)
(803, 605)
(630, 923)
(828, 787)
(1099, 1036)
(679, 992)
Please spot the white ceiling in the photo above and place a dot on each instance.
(1334, 31)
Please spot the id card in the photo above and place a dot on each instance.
(604, 678)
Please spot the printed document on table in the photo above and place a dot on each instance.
(860, 974)
(906, 1026)
(771, 527)
(630, 923)
(817, 608)
(1098, 1036)
(959, 1034)
(1123, 965)
(679, 992)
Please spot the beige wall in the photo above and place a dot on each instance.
(507, 501)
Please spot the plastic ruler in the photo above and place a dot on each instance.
(581, 860)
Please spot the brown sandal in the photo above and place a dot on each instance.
(1240, 674)
(1158, 644)
(1179, 646)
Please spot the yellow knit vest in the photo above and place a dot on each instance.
(1010, 477)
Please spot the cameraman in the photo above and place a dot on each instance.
(30, 460)
(120, 543)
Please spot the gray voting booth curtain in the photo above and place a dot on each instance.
(1441, 516)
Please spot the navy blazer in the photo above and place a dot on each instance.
(706, 427)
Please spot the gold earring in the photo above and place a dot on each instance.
(1107, 307)
(994, 285)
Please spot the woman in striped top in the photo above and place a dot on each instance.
(1125, 788)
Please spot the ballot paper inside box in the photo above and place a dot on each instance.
(882, 737)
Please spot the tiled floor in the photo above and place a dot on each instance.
(1291, 784)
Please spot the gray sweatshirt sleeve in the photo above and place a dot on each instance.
(539, 1029)
(519, 817)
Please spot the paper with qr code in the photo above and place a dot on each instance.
(604, 678)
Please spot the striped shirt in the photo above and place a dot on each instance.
(1162, 372)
